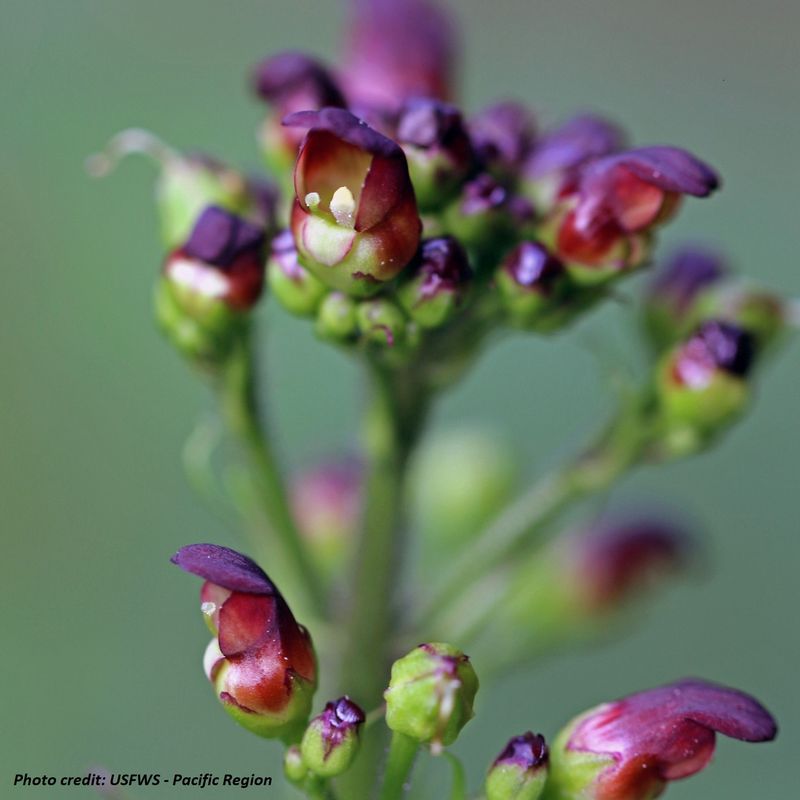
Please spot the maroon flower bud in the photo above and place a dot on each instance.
(437, 282)
(623, 195)
(503, 136)
(398, 49)
(630, 749)
(262, 663)
(671, 297)
(613, 561)
(531, 282)
(355, 220)
(438, 149)
(223, 259)
(520, 771)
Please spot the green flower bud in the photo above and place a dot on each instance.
(331, 741)
(337, 320)
(381, 322)
(296, 289)
(532, 284)
(294, 767)
(460, 479)
(210, 284)
(430, 694)
(520, 771)
(438, 281)
(702, 384)
(189, 183)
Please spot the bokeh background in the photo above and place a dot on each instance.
(101, 635)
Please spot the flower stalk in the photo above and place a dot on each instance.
(237, 392)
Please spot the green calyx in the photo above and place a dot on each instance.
(201, 328)
(431, 694)
(512, 782)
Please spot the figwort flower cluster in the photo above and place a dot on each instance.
(409, 231)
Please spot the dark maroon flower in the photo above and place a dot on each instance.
(611, 561)
(437, 281)
(223, 259)
(398, 49)
(625, 194)
(647, 739)
(261, 662)
(355, 218)
(716, 345)
(503, 136)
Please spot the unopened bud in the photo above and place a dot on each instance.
(520, 771)
(437, 282)
(430, 694)
(331, 740)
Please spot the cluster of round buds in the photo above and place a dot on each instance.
(409, 216)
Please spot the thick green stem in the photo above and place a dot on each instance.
(619, 449)
(238, 399)
(402, 752)
(392, 424)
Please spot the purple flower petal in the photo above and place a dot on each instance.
(220, 238)
(577, 140)
(528, 751)
(224, 567)
(346, 127)
(686, 273)
(296, 79)
(666, 733)
(669, 168)
(504, 132)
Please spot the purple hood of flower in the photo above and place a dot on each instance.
(219, 238)
(665, 733)
(294, 81)
(527, 751)
(686, 273)
(224, 567)
(568, 146)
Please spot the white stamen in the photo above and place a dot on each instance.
(312, 200)
(343, 207)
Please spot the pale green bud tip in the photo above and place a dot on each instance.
(430, 694)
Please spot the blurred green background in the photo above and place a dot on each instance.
(102, 660)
